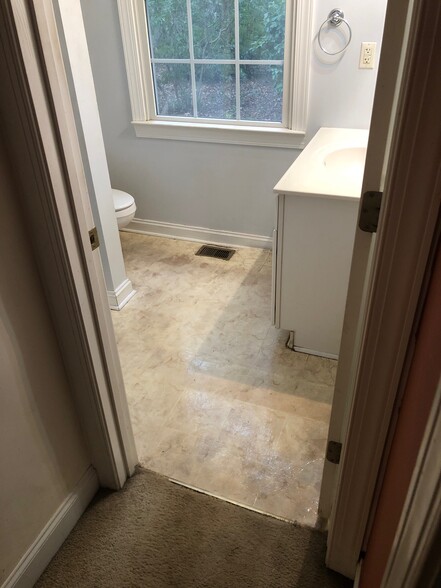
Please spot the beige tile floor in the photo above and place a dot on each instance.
(216, 399)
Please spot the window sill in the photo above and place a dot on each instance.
(212, 133)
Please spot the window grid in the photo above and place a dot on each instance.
(192, 61)
(237, 56)
(192, 65)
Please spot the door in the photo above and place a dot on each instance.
(386, 275)
(382, 124)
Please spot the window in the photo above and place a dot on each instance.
(228, 71)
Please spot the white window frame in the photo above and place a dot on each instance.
(290, 133)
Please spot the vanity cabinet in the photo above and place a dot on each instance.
(313, 243)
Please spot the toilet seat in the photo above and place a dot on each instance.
(121, 200)
(125, 207)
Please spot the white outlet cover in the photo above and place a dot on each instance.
(367, 55)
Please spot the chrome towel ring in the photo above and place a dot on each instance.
(335, 18)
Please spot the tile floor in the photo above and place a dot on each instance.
(217, 400)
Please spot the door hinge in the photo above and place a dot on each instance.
(94, 239)
(333, 452)
(370, 211)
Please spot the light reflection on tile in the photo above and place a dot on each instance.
(216, 399)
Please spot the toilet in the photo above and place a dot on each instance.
(125, 207)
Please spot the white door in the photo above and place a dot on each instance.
(382, 123)
(377, 326)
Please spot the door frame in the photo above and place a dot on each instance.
(48, 135)
(40, 128)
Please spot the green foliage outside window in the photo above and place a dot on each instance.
(261, 37)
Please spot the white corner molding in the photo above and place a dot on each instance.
(119, 297)
(49, 541)
(197, 234)
(133, 23)
(298, 63)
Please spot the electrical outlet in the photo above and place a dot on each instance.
(367, 55)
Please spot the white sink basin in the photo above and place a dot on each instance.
(331, 165)
(343, 160)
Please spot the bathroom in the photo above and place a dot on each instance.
(209, 192)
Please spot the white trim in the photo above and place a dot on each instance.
(421, 514)
(191, 52)
(197, 234)
(216, 133)
(297, 64)
(237, 58)
(131, 13)
(54, 198)
(197, 61)
(49, 541)
(119, 297)
(297, 56)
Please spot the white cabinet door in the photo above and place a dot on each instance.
(316, 237)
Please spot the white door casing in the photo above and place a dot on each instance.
(42, 127)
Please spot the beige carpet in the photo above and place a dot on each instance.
(157, 534)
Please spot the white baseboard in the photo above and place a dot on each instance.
(119, 298)
(49, 541)
(198, 234)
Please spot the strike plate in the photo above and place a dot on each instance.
(333, 452)
(370, 211)
(94, 240)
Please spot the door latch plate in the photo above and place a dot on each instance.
(333, 452)
(370, 211)
(94, 239)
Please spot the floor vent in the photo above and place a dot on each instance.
(218, 252)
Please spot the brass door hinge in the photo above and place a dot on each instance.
(370, 211)
(94, 239)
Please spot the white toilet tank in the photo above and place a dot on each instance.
(125, 207)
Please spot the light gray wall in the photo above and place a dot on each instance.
(225, 187)
(42, 452)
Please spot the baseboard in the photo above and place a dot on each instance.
(315, 352)
(49, 541)
(197, 234)
(119, 297)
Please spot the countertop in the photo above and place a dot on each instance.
(331, 165)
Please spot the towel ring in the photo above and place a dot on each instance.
(335, 18)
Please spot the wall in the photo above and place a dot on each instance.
(43, 455)
(220, 186)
